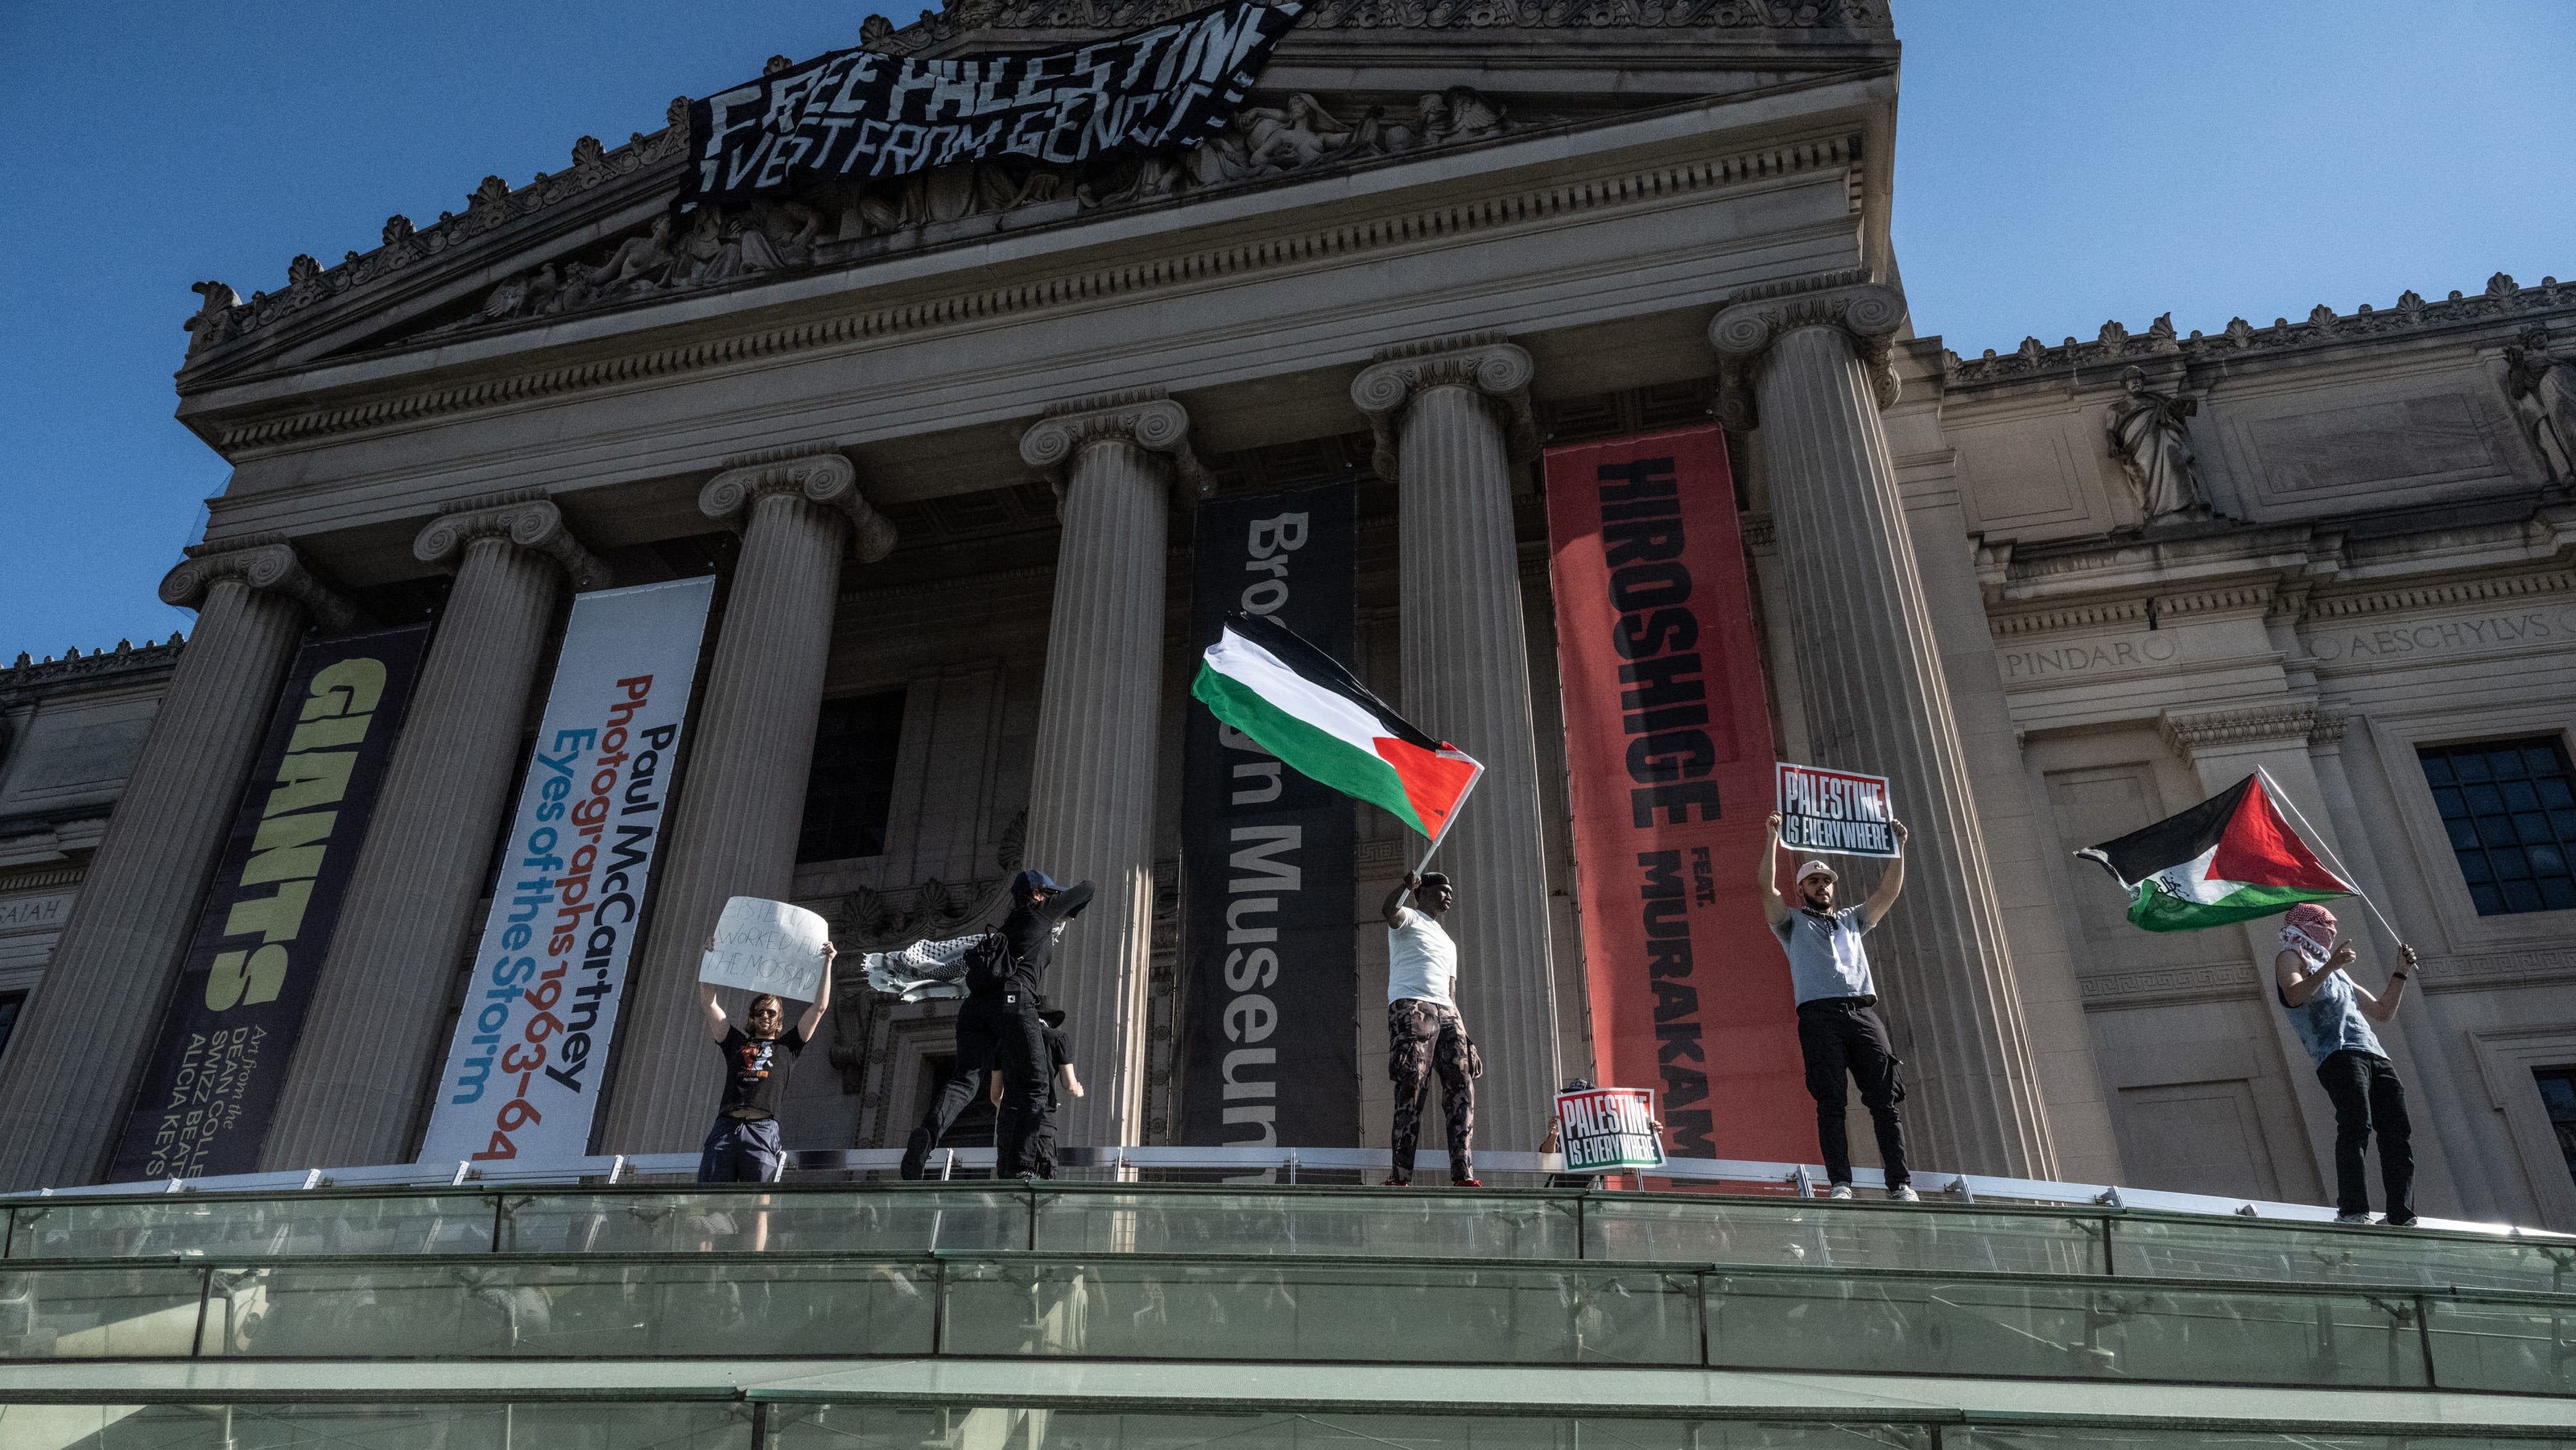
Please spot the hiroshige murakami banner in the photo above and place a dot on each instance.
(212, 1080)
(1668, 755)
(522, 1076)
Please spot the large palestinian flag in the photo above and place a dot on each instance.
(2230, 858)
(1298, 703)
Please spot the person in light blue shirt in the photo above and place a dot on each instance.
(2332, 1015)
(1840, 1036)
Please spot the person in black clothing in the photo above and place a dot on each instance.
(1040, 1156)
(998, 1029)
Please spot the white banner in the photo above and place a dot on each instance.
(767, 946)
(1838, 811)
(522, 1077)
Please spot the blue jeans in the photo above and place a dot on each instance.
(741, 1150)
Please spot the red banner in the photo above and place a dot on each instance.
(1669, 755)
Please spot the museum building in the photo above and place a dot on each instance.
(943, 446)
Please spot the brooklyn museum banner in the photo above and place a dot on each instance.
(522, 1075)
(857, 115)
(1668, 756)
(1269, 964)
(213, 1078)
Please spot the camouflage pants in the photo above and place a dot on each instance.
(1423, 1038)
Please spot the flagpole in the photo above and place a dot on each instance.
(2342, 870)
(1460, 804)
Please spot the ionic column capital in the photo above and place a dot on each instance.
(1869, 313)
(824, 479)
(1146, 417)
(525, 518)
(265, 562)
(1482, 362)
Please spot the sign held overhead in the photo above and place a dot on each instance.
(1836, 811)
(767, 946)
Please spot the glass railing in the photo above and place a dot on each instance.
(1284, 1310)
(1372, 1222)
(760, 1425)
(1839, 1235)
(2182, 1248)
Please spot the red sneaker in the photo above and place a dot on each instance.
(1398, 1183)
(1467, 1183)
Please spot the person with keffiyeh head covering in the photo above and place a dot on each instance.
(2332, 1015)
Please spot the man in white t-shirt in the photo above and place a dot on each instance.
(1423, 1033)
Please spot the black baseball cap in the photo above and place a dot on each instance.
(1030, 883)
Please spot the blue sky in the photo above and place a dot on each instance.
(2059, 163)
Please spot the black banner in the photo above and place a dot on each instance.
(213, 1078)
(1270, 962)
(856, 115)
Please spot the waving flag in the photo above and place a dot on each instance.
(2230, 858)
(1298, 703)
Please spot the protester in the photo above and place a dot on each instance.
(998, 1029)
(743, 1145)
(1040, 1157)
(2332, 1015)
(1839, 1032)
(1423, 1033)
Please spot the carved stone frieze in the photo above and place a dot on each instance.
(1145, 417)
(2503, 298)
(525, 518)
(824, 479)
(1754, 318)
(1482, 362)
(2192, 732)
(265, 562)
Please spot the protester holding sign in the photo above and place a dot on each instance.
(999, 1029)
(1839, 1033)
(2332, 1015)
(743, 1145)
(1423, 1032)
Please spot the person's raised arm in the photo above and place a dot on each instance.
(2296, 983)
(1775, 909)
(1889, 883)
(2384, 1006)
(812, 1021)
(1066, 903)
(1395, 899)
(716, 1023)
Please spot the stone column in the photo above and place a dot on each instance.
(1453, 429)
(1875, 700)
(742, 788)
(356, 1088)
(1091, 799)
(70, 1073)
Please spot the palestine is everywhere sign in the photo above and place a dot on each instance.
(857, 115)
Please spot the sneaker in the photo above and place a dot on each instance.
(1466, 1183)
(1904, 1193)
(1839, 1190)
(2352, 1218)
(1394, 1182)
(2393, 1221)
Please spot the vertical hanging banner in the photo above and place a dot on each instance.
(1668, 761)
(212, 1081)
(1269, 961)
(522, 1076)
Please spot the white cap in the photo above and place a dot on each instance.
(1815, 868)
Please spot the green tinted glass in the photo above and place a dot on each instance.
(1348, 1221)
(1812, 1234)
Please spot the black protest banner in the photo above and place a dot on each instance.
(231, 1026)
(856, 115)
(1269, 962)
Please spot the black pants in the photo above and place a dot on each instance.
(1839, 1037)
(1002, 1034)
(2367, 1098)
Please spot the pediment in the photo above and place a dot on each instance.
(602, 235)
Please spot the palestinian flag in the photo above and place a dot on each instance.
(1298, 703)
(2230, 858)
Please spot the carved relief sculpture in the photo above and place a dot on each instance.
(2542, 388)
(2147, 436)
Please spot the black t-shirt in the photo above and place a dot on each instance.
(1030, 932)
(756, 1069)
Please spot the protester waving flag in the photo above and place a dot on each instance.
(2230, 858)
(1298, 703)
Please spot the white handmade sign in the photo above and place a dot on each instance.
(1603, 1128)
(767, 946)
(1837, 811)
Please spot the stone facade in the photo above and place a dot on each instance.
(939, 442)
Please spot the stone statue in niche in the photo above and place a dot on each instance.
(2147, 436)
(2542, 388)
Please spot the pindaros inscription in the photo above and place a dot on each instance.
(2091, 657)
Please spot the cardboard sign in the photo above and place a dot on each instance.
(1599, 1129)
(767, 946)
(1835, 811)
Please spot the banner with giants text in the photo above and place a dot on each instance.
(1668, 761)
(212, 1081)
(522, 1076)
(1269, 962)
